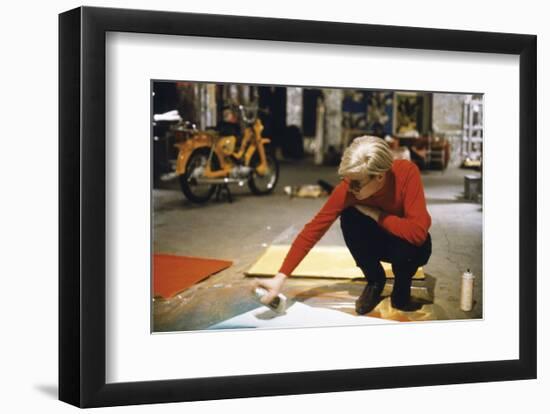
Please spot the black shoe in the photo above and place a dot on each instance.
(369, 298)
(406, 306)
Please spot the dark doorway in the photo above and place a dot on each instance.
(309, 113)
(273, 100)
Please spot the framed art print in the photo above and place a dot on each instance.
(204, 156)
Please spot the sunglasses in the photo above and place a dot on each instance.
(357, 185)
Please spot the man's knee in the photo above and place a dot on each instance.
(348, 214)
(352, 218)
(426, 250)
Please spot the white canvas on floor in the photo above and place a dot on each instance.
(296, 315)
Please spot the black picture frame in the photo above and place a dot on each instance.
(82, 200)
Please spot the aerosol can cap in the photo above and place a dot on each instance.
(278, 304)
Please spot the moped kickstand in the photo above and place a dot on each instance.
(225, 189)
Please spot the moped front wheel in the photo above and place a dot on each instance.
(264, 184)
(193, 191)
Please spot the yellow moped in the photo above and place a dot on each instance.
(208, 161)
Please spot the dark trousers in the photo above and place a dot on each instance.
(369, 244)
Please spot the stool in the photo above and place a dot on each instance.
(472, 187)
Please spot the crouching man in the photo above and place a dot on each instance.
(383, 217)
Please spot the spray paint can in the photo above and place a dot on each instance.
(467, 291)
(278, 304)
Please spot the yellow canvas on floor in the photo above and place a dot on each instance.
(321, 261)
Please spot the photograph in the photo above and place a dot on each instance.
(234, 183)
(300, 206)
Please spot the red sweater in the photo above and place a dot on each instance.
(401, 201)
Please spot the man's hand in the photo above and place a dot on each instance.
(273, 286)
(372, 212)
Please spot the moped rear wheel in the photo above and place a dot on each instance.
(261, 185)
(195, 192)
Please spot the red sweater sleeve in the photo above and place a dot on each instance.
(416, 220)
(316, 228)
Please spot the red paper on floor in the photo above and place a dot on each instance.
(172, 274)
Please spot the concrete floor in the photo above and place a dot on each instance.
(241, 230)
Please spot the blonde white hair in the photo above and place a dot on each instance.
(366, 156)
